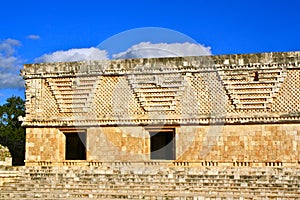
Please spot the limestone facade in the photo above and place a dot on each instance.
(241, 109)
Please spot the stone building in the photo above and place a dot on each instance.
(225, 110)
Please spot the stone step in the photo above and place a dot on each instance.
(170, 183)
(142, 193)
(185, 190)
(158, 196)
(152, 183)
(133, 174)
(145, 184)
(191, 192)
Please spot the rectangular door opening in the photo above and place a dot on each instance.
(75, 146)
(162, 144)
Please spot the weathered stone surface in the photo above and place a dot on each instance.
(234, 143)
(5, 156)
(234, 88)
(231, 110)
(149, 182)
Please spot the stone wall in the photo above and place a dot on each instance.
(5, 156)
(242, 143)
(252, 144)
(118, 144)
(44, 144)
(257, 88)
(222, 109)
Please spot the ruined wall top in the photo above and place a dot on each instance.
(144, 65)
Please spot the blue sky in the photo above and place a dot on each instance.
(40, 27)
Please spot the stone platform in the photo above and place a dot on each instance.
(127, 181)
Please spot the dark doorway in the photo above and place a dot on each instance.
(162, 145)
(75, 146)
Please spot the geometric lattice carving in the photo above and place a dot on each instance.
(157, 92)
(243, 88)
(288, 98)
(50, 106)
(252, 88)
(73, 95)
(210, 93)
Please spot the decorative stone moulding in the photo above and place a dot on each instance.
(239, 88)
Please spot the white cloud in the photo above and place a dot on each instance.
(11, 80)
(10, 65)
(149, 50)
(8, 47)
(34, 37)
(141, 50)
(74, 55)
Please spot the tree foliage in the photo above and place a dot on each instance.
(12, 134)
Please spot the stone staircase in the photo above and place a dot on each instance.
(157, 92)
(155, 182)
(252, 87)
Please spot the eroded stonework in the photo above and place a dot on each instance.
(222, 109)
(5, 156)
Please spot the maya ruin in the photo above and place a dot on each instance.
(224, 110)
(183, 128)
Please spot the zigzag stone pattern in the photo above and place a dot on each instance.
(253, 86)
(237, 85)
(157, 92)
(73, 94)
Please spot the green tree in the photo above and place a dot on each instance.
(12, 134)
